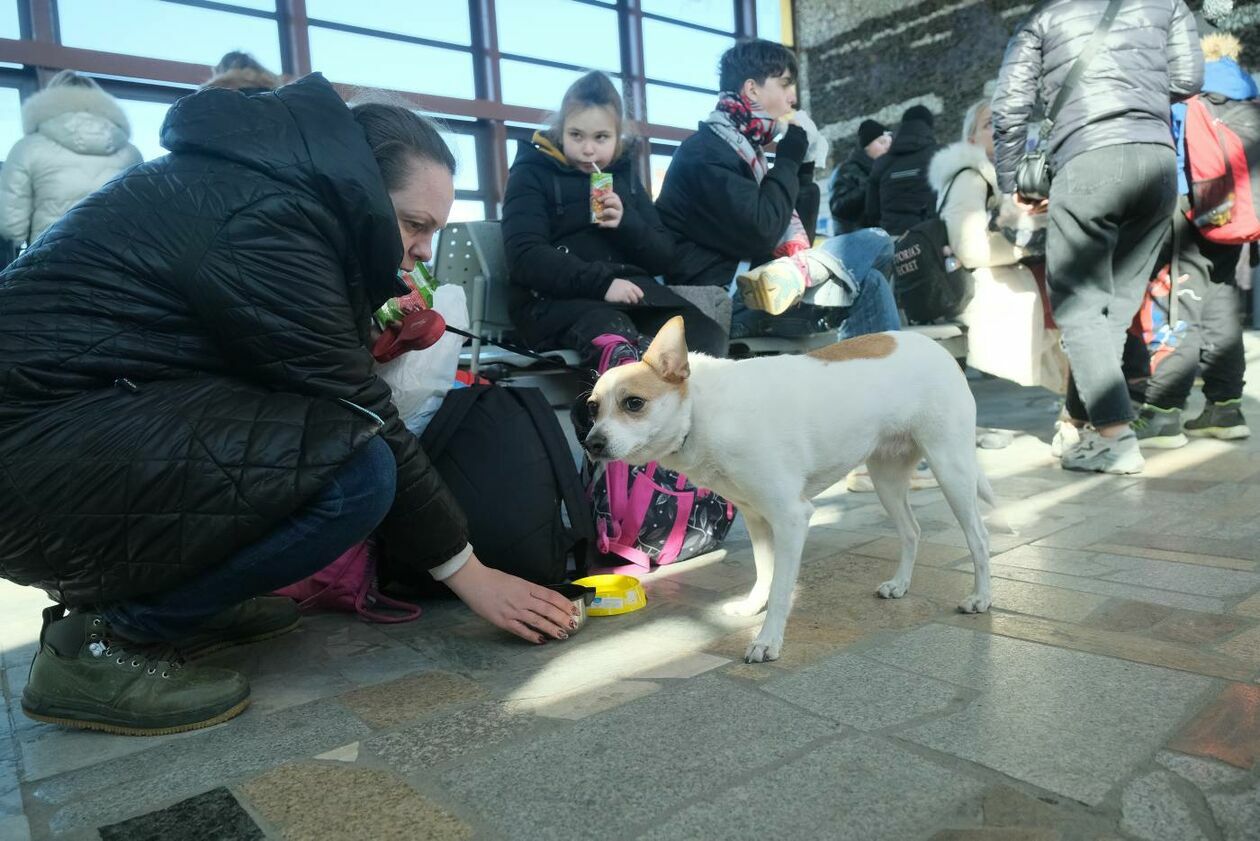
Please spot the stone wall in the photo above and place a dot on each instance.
(875, 58)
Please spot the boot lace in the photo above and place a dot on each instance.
(155, 658)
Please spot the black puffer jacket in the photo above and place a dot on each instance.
(555, 253)
(898, 195)
(1150, 58)
(719, 214)
(848, 191)
(183, 359)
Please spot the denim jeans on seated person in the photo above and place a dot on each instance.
(867, 257)
(343, 513)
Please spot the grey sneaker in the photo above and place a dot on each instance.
(1159, 429)
(1222, 420)
(1097, 454)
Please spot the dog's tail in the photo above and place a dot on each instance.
(985, 491)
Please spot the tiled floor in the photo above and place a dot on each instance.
(1111, 693)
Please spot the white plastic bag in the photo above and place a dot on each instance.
(419, 379)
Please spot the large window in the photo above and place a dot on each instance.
(10, 119)
(146, 124)
(170, 30)
(496, 69)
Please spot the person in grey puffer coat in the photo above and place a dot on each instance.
(1114, 189)
(77, 139)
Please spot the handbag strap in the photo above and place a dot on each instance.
(1083, 60)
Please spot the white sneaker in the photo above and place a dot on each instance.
(1098, 454)
(1066, 436)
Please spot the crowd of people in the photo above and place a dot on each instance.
(190, 416)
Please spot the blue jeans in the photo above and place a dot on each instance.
(867, 258)
(342, 514)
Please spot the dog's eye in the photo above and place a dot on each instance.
(633, 404)
(592, 406)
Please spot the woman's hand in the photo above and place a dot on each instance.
(623, 291)
(531, 612)
(1030, 206)
(610, 215)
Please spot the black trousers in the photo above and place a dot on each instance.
(1209, 304)
(1110, 211)
(573, 323)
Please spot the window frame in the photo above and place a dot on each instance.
(486, 116)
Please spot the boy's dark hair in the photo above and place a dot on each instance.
(398, 137)
(594, 90)
(756, 59)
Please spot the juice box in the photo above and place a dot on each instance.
(421, 285)
(601, 185)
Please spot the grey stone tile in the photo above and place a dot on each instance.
(48, 750)
(1118, 589)
(1188, 578)
(861, 788)
(1066, 721)
(1065, 561)
(15, 828)
(863, 693)
(10, 789)
(191, 764)
(692, 739)
(448, 735)
(1204, 773)
(213, 816)
(1151, 808)
(1237, 815)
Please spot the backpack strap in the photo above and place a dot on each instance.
(581, 518)
(455, 407)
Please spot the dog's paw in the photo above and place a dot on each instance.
(893, 589)
(763, 651)
(976, 603)
(744, 607)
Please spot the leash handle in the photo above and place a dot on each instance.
(511, 348)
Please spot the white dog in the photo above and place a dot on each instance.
(771, 433)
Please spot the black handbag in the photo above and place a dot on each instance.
(1032, 173)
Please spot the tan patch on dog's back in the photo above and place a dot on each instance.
(871, 346)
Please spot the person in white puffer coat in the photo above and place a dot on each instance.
(77, 139)
(1006, 320)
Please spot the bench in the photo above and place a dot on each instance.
(471, 254)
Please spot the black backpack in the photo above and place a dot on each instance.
(503, 455)
(925, 288)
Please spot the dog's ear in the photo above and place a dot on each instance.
(667, 355)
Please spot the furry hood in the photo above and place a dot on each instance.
(54, 102)
(1220, 45)
(956, 157)
(244, 79)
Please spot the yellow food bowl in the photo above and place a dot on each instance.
(614, 594)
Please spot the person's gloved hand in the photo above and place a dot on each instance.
(819, 147)
(793, 145)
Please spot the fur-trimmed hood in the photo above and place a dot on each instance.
(246, 80)
(87, 121)
(956, 157)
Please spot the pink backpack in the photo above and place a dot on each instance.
(648, 515)
(348, 584)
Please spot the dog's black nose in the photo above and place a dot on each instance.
(595, 445)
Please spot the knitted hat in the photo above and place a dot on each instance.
(918, 113)
(870, 130)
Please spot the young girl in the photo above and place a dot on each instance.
(575, 277)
